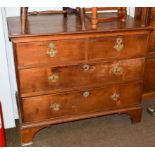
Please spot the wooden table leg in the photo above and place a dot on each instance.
(23, 16)
(65, 11)
(82, 18)
(94, 18)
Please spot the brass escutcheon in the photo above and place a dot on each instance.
(52, 50)
(53, 78)
(115, 97)
(86, 67)
(55, 106)
(119, 44)
(117, 71)
(86, 94)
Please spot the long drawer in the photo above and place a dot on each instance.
(47, 78)
(54, 52)
(65, 51)
(54, 106)
(120, 46)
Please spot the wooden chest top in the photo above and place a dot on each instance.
(57, 24)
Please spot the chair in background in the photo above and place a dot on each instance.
(24, 15)
(81, 12)
(121, 15)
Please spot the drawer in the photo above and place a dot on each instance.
(69, 104)
(57, 78)
(53, 52)
(124, 46)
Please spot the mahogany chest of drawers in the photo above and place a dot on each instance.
(66, 74)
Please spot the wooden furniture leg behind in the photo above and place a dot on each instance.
(144, 15)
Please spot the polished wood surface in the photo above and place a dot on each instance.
(103, 47)
(34, 53)
(77, 103)
(72, 77)
(44, 25)
(66, 74)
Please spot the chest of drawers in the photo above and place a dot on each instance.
(67, 75)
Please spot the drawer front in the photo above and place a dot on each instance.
(127, 46)
(46, 79)
(52, 52)
(77, 103)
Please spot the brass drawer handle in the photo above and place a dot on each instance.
(86, 94)
(115, 97)
(117, 71)
(86, 67)
(119, 45)
(52, 50)
(55, 106)
(53, 78)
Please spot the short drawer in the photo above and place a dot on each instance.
(118, 47)
(69, 104)
(53, 52)
(58, 78)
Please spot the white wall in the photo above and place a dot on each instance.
(5, 90)
(7, 71)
